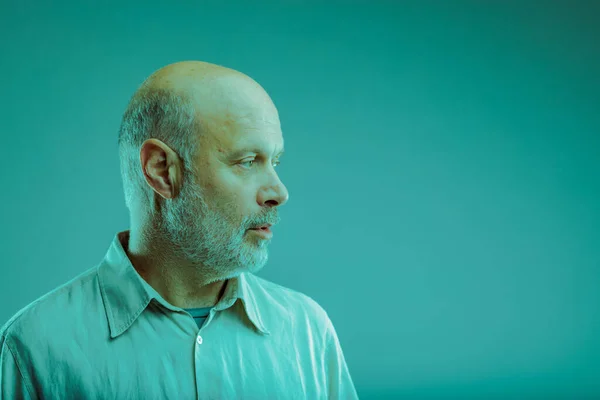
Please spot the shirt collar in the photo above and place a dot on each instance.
(126, 294)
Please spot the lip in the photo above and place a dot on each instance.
(264, 232)
(264, 226)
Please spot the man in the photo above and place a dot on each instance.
(174, 310)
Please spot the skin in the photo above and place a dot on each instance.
(196, 235)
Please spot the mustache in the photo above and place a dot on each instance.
(271, 220)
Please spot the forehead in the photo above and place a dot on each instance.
(251, 141)
(232, 135)
(243, 149)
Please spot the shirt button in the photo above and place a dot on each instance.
(199, 339)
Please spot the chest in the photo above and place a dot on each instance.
(207, 365)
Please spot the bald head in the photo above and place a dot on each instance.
(221, 96)
(192, 71)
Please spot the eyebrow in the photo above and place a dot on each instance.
(239, 153)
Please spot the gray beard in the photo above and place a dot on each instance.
(208, 240)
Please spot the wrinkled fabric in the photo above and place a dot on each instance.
(107, 334)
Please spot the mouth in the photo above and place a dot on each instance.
(263, 227)
(263, 230)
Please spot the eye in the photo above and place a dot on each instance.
(275, 163)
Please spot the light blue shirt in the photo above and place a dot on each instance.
(107, 334)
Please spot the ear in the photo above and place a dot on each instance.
(161, 167)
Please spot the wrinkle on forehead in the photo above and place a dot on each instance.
(222, 132)
(229, 122)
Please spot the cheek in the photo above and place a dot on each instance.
(231, 196)
(224, 205)
(237, 208)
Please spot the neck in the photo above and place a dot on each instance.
(180, 282)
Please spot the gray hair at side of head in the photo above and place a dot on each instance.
(154, 113)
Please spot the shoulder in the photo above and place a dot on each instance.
(280, 295)
(280, 303)
(50, 311)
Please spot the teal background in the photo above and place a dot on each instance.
(442, 160)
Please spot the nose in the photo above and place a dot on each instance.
(274, 195)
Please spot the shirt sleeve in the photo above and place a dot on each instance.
(12, 383)
(339, 381)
